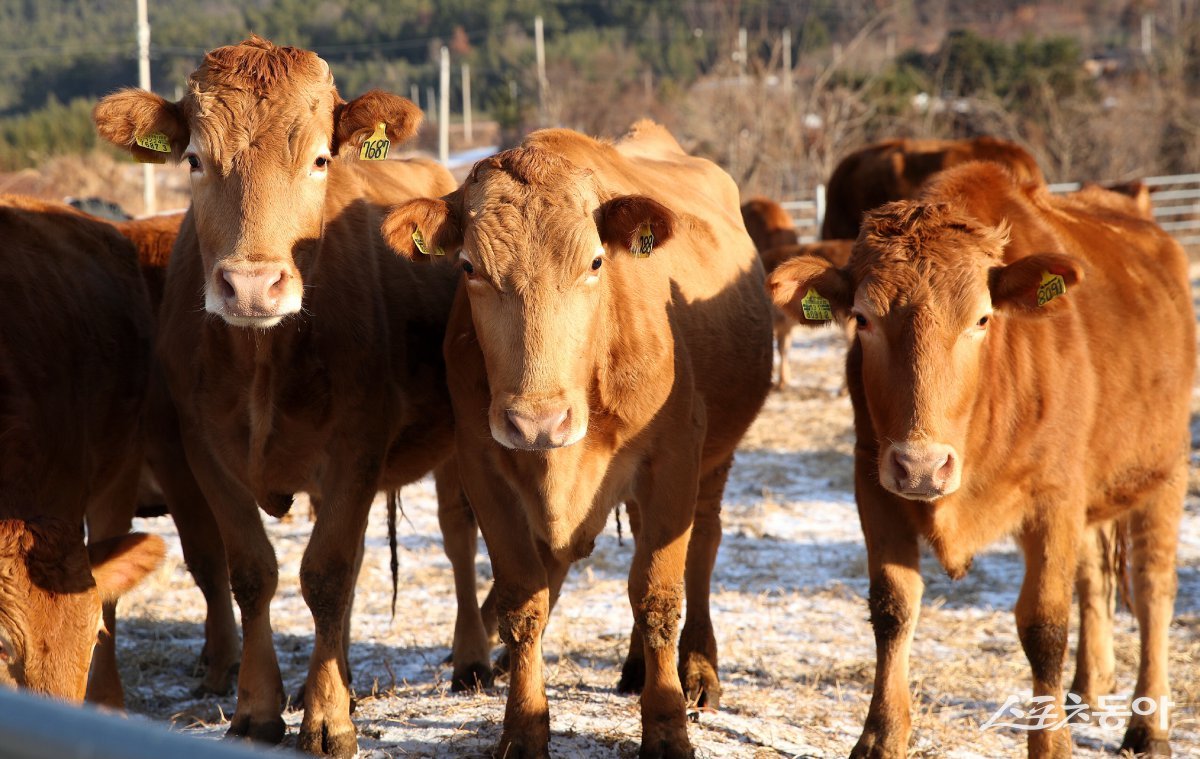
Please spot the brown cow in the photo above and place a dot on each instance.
(768, 225)
(301, 353)
(897, 169)
(995, 392)
(167, 480)
(1129, 197)
(74, 356)
(836, 252)
(582, 375)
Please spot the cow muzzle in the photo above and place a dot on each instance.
(258, 296)
(536, 427)
(920, 471)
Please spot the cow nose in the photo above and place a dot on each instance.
(252, 292)
(921, 470)
(540, 429)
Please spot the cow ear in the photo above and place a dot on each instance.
(133, 118)
(118, 564)
(356, 121)
(423, 228)
(635, 223)
(1034, 285)
(811, 290)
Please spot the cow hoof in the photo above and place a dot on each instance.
(507, 749)
(873, 746)
(473, 677)
(666, 750)
(633, 676)
(1139, 741)
(269, 731)
(320, 742)
(700, 682)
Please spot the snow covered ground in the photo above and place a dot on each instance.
(797, 654)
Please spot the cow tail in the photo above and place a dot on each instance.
(1120, 560)
(393, 506)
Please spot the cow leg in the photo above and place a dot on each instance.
(109, 515)
(1154, 535)
(697, 644)
(668, 486)
(1096, 587)
(633, 671)
(471, 651)
(200, 539)
(1043, 613)
(328, 573)
(893, 561)
(783, 341)
(253, 575)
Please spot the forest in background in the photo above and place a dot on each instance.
(1073, 81)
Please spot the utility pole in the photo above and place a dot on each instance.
(468, 132)
(414, 94)
(149, 201)
(787, 61)
(540, 48)
(741, 55)
(444, 109)
(1147, 34)
(431, 109)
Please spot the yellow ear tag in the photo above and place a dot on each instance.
(375, 147)
(644, 243)
(1052, 286)
(157, 142)
(816, 308)
(419, 240)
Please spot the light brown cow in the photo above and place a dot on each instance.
(74, 356)
(836, 252)
(897, 169)
(301, 353)
(995, 391)
(582, 375)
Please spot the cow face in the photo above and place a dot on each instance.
(928, 292)
(536, 245)
(258, 129)
(50, 600)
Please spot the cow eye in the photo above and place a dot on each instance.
(983, 321)
(861, 321)
(468, 269)
(321, 162)
(597, 262)
(193, 161)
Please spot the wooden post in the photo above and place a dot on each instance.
(149, 197)
(468, 132)
(444, 109)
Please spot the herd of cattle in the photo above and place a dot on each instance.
(579, 324)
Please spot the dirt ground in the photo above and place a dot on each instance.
(789, 605)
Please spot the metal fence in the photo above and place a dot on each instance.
(1175, 201)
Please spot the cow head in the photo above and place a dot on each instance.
(535, 240)
(258, 127)
(928, 291)
(50, 600)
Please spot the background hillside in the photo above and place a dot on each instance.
(1098, 90)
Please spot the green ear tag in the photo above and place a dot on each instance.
(419, 240)
(644, 243)
(816, 308)
(1052, 286)
(157, 142)
(375, 147)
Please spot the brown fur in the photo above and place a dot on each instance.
(1131, 197)
(897, 170)
(638, 377)
(1056, 417)
(341, 398)
(74, 358)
